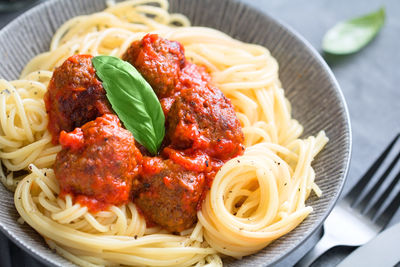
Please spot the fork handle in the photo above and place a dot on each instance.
(323, 245)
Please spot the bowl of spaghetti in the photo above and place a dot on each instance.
(155, 133)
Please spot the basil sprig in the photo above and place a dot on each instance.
(133, 99)
(352, 35)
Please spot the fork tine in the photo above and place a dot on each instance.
(352, 196)
(385, 217)
(362, 205)
(374, 209)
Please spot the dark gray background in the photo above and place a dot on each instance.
(369, 80)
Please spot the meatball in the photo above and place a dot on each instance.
(74, 96)
(98, 161)
(169, 194)
(159, 61)
(202, 118)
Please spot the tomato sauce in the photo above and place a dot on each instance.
(100, 164)
(74, 96)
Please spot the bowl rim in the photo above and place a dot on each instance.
(307, 46)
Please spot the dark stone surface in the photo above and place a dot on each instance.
(369, 80)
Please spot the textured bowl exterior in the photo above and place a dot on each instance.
(317, 102)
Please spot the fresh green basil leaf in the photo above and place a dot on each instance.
(133, 99)
(352, 35)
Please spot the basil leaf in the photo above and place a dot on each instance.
(133, 99)
(352, 35)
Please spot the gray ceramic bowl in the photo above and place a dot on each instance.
(310, 86)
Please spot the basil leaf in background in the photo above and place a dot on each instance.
(352, 35)
(133, 99)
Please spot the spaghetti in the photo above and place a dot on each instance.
(254, 198)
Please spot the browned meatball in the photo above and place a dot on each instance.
(202, 118)
(74, 96)
(159, 61)
(98, 162)
(169, 194)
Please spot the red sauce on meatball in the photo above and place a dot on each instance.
(159, 61)
(202, 118)
(202, 132)
(74, 96)
(98, 163)
(170, 192)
